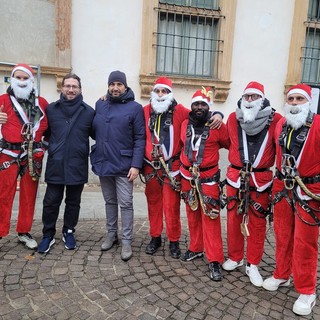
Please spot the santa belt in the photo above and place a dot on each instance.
(305, 180)
(16, 146)
(200, 168)
(252, 169)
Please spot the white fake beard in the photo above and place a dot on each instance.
(21, 89)
(161, 104)
(296, 115)
(250, 109)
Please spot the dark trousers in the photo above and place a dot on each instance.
(51, 205)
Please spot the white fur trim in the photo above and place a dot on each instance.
(200, 98)
(160, 85)
(299, 91)
(252, 91)
(27, 71)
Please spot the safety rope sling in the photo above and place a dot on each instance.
(195, 194)
(158, 163)
(291, 176)
(25, 157)
(243, 196)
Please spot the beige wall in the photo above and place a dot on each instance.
(106, 35)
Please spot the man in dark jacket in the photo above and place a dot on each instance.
(70, 121)
(117, 157)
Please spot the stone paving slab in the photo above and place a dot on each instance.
(89, 284)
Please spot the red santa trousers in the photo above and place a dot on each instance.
(256, 226)
(205, 233)
(163, 202)
(27, 198)
(296, 246)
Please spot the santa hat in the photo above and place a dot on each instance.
(254, 87)
(301, 88)
(163, 82)
(205, 95)
(23, 67)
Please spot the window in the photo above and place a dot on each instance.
(304, 57)
(189, 41)
(311, 50)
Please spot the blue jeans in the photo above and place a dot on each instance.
(118, 192)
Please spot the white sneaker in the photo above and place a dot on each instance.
(254, 275)
(230, 265)
(272, 284)
(27, 239)
(304, 304)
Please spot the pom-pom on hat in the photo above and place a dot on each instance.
(301, 88)
(163, 82)
(23, 67)
(117, 76)
(205, 95)
(254, 87)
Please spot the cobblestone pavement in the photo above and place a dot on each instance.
(89, 284)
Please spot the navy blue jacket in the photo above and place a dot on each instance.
(68, 152)
(119, 131)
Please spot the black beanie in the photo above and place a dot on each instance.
(117, 76)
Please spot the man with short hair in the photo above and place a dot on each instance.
(249, 179)
(200, 183)
(163, 119)
(296, 199)
(69, 129)
(117, 157)
(23, 123)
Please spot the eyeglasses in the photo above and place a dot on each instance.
(252, 96)
(68, 87)
(164, 91)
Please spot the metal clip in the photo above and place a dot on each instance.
(244, 226)
(26, 131)
(289, 183)
(257, 206)
(6, 164)
(156, 164)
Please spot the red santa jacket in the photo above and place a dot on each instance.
(11, 130)
(180, 113)
(308, 161)
(264, 159)
(218, 138)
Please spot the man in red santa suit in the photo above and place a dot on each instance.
(164, 116)
(23, 122)
(200, 178)
(296, 199)
(249, 178)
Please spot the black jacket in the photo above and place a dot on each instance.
(68, 149)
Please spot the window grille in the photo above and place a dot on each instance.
(311, 50)
(187, 38)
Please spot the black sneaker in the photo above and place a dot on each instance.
(175, 251)
(190, 255)
(215, 271)
(154, 244)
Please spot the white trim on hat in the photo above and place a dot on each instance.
(161, 85)
(299, 91)
(21, 68)
(200, 98)
(252, 91)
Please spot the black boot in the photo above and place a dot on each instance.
(154, 244)
(215, 271)
(174, 249)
